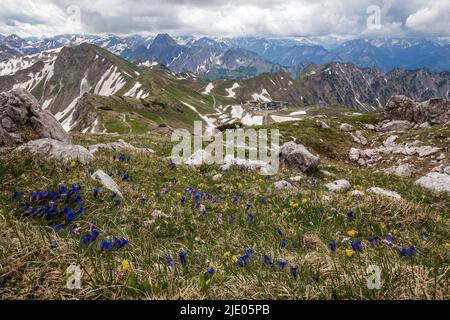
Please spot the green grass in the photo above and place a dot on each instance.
(29, 269)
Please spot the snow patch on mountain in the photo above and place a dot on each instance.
(231, 93)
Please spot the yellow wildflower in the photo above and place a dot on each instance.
(304, 201)
(352, 233)
(438, 218)
(234, 258)
(126, 266)
(349, 252)
(72, 164)
(383, 226)
(294, 204)
(226, 254)
(447, 245)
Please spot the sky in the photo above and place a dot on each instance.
(268, 18)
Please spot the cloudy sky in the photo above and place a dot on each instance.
(227, 17)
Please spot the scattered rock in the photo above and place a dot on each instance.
(217, 177)
(359, 138)
(356, 193)
(22, 120)
(283, 185)
(354, 154)
(327, 173)
(322, 125)
(384, 193)
(338, 185)
(402, 170)
(296, 156)
(107, 182)
(390, 141)
(435, 181)
(447, 170)
(395, 125)
(119, 145)
(433, 111)
(369, 126)
(50, 148)
(345, 127)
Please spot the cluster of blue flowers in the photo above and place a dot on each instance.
(61, 209)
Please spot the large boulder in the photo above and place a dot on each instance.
(338, 185)
(433, 111)
(395, 125)
(54, 149)
(22, 119)
(435, 181)
(296, 156)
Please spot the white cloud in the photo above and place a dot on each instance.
(225, 18)
(433, 18)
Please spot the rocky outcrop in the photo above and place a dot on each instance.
(54, 149)
(433, 111)
(296, 156)
(395, 125)
(402, 170)
(22, 119)
(435, 181)
(390, 147)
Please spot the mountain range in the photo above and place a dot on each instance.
(245, 57)
(88, 88)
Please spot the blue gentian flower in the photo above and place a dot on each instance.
(389, 240)
(356, 246)
(247, 206)
(333, 246)
(117, 203)
(86, 239)
(350, 215)
(183, 200)
(251, 217)
(210, 271)
(96, 191)
(78, 198)
(71, 216)
(126, 177)
(268, 260)
(281, 263)
(231, 219)
(94, 234)
(294, 271)
(280, 232)
(374, 240)
(114, 194)
(172, 165)
(143, 200)
(80, 210)
(63, 189)
(182, 257)
(425, 235)
(170, 261)
(283, 243)
(106, 246)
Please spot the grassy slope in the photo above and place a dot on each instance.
(309, 222)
